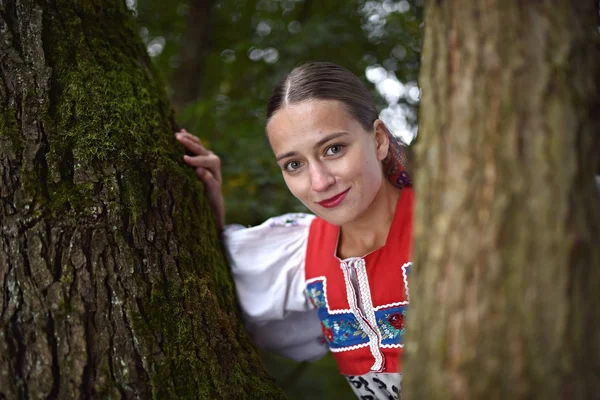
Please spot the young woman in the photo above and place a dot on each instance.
(337, 279)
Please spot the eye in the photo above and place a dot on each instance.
(334, 149)
(292, 166)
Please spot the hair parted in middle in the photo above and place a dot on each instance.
(329, 81)
(325, 81)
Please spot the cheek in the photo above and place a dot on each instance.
(372, 171)
(295, 186)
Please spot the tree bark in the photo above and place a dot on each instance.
(112, 279)
(504, 299)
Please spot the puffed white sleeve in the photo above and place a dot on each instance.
(267, 262)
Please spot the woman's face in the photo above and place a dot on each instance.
(329, 162)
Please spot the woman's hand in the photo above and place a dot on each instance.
(207, 166)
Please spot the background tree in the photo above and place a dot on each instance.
(504, 299)
(112, 281)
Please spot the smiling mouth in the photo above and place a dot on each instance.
(334, 201)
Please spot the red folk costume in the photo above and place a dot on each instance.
(362, 302)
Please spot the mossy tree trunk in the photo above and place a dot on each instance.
(505, 301)
(112, 279)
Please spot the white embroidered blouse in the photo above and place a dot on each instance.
(267, 262)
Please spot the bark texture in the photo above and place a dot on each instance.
(112, 279)
(505, 295)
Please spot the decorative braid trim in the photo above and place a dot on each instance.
(371, 330)
(365, 292)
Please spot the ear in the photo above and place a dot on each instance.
(382, 139)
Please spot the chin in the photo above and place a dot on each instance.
(336, 217)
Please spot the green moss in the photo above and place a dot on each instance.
(110, 124)
(207, 354)
(10, 129)
(106, 107)
(64, 307)
(190, 369)
(67, 196)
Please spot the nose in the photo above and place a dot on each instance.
(321, 178)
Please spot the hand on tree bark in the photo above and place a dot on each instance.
(207, 166)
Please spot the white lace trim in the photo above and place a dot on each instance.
(400, 303)
(392, 346)
(329, 310)
(405, 278)
(371, 330)
(355, 347)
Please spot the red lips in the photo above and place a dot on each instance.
(334, 201)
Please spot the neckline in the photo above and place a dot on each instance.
(391, 231)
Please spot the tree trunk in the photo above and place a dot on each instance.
(504, 302)
(112, 280)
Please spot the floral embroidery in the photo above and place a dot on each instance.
(327, 333)
(316, 296)
(339, 330)
(286, 220)
(342, 329)
(396, 320)
(391, 324)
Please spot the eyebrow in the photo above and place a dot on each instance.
(317, 145)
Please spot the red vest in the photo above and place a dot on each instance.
(370, 340)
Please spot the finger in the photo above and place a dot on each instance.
(186, 134)
(208, 178)
(192, 146)
(210, 162)
(193, 138)
(180, 132)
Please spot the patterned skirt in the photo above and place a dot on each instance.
(376, 386)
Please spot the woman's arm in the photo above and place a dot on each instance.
(267, 264)
(207, 166)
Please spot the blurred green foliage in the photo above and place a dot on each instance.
(248, 47)
(252, 44)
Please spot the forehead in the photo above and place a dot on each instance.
(305, 123)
